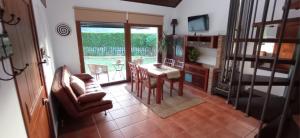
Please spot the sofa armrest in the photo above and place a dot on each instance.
(91, 97)
(84, 76)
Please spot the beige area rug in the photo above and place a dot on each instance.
(170, 105)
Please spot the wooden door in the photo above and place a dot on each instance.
(30, 84)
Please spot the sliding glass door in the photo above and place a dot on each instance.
(103, 46)
(144, 44)
(106, 48)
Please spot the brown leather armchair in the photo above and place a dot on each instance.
(77, 106)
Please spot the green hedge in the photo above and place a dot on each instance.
(117, 40)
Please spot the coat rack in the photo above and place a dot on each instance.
(5, 46)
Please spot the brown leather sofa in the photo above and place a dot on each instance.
(78, 106)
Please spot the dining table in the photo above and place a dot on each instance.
(161, 73)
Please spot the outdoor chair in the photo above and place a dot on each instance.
(97, 70)
(118, 66)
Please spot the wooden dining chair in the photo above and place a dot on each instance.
(134, 71)
(147, 81)
(169, 62)
(97, 70)
(179, 65)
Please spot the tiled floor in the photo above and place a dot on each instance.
(129, 118)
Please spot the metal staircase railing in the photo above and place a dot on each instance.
(242, 23)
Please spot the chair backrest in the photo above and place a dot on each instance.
(144, 74)
(97, 68)
(169, 62)
(138, 61)
(118, 61)
(179, 65)
(134, 71)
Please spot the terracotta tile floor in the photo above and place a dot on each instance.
(129, 118)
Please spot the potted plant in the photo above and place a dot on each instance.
(193, 54)
(163, 44)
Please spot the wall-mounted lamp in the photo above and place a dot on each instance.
(174, 23)
(6, 48)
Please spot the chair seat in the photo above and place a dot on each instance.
(173, 79)
(153, 82)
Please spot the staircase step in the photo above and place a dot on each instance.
(270, 40)
(295, 5)
(263, 59)
(260, 80)
(290, 129)
(275, 106)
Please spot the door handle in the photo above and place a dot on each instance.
(42, 62)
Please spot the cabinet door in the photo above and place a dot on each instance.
(179, 48)
(199, 81)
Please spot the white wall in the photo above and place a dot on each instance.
(66, 48)
(11, 120)
(45, 42)
(216, 9)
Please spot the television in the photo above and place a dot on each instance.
(198, 23)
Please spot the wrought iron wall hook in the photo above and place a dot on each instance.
(12, 21)
(22, 69)
(6, 50)
(16, 71)
(5, 71)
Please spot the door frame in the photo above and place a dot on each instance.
(81, 54)
(128, 36)
(127, 29)
(160, 35)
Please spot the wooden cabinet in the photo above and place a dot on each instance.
(196, 75)
(175, 49)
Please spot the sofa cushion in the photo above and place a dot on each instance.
(84, 76)
(91, 97)
(77, 85)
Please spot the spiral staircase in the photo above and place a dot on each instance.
(247, 87)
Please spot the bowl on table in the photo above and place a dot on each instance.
(158, 65)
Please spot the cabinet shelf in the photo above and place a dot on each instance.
(202, 41)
